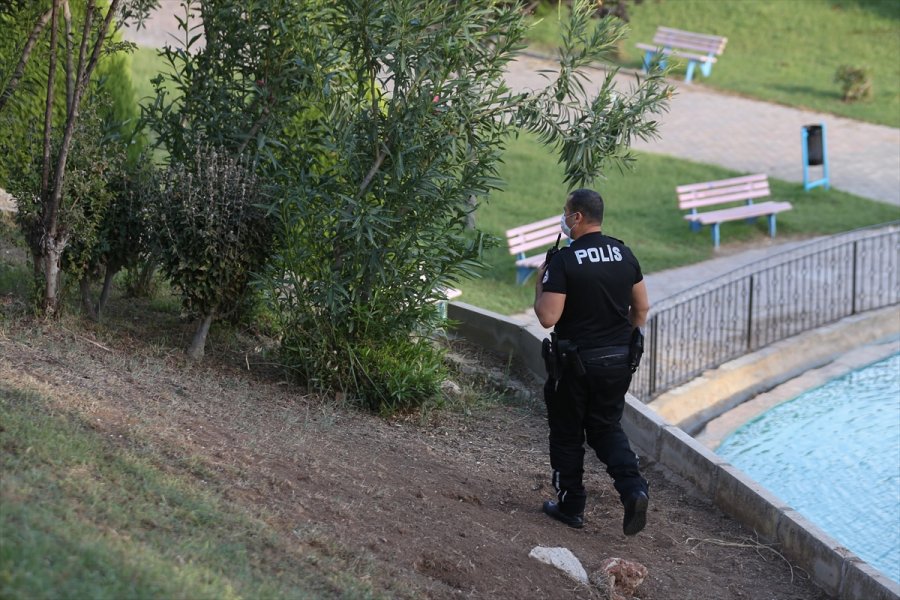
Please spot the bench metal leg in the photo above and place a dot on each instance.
(690, 71)
(696, 226)
(522, 274)
(771, 225)
(715, 235)
(648, 58)
(706, 67)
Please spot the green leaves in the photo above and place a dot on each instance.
(383, 124)
(211, 235)
(592, 132)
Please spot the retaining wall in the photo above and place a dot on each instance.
(832, 567)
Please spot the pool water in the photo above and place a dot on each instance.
(833, 454)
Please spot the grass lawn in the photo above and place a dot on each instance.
(145, 65)
(784, 51)
(642, 210)
(83, 517)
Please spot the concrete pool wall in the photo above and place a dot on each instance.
(832, 567)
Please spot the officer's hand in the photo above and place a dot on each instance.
(539, 280)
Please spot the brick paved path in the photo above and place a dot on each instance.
(712, 127)
(752, 136)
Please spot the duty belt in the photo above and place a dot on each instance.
(606, 356)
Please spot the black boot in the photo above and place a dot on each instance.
(552, 509)
(635, 512)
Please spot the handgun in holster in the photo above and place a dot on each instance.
(569, 359)
(635, 349)
(548, 353)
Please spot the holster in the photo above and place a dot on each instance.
(561, 356)
(635, 349)
(569, 358)
(548, 353)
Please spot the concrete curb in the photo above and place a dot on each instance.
(836, 570)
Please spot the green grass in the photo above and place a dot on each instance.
(145, 65)
(82, 517)
(642, 210)
(784, 51)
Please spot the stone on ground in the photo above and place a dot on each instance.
(562, 559)
(619, 578)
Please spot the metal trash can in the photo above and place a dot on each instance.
(814, 148)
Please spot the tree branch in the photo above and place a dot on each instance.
(254, 129)
(70, 82)
(371, 174)
(80, 86)
(48, 110)
(23, 61)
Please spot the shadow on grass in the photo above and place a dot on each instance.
(825, 94)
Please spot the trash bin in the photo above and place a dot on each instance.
(815, 154)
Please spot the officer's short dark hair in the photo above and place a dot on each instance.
(588, 203)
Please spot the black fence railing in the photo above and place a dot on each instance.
(746, 310)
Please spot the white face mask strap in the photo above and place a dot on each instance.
(563, 225)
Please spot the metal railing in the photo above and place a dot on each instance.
(746, 310)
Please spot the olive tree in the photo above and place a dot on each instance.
(412, 116)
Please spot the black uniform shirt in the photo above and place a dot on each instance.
(596, 273)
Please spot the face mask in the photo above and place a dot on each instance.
(567, 231)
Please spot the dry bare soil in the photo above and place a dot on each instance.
(440, 503)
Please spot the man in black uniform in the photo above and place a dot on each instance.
(593, 294)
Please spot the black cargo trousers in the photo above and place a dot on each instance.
(589, 408)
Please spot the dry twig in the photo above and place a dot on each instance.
(748, 543)
(88, 340)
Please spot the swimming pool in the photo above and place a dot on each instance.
(833, 454)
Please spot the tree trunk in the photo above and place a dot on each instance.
(52, 273)
(198, 344)
(104, 293)
(142, 287)
(87, 303)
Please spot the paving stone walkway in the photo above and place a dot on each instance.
(752, 136)
(749, 136)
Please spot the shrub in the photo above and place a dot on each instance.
(381, 193)
(856, 82)
(210, 234)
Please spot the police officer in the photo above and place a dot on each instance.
(593, 294)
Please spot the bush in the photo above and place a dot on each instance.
(401, 374)
(381, 194)
(210, 234)
(856, 82)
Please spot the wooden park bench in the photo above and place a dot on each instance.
(727, 192)
(700, 48)
(540, 234)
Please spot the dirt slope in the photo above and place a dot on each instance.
(446, 504)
